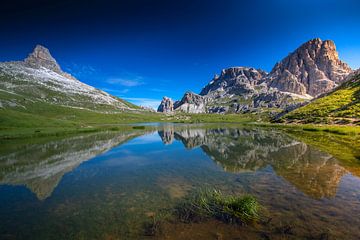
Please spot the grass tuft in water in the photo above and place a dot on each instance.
(138, 127)
(214, 204)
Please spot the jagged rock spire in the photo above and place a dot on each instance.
(41, 57)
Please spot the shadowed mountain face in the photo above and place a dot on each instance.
(41, 166)
(313, 172)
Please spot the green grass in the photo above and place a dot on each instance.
(341, 106)
(44, 119)
(214, 118)
(214, 204)
(336, 129)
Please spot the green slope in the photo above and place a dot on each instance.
(341, 106)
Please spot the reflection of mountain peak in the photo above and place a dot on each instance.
(167, 134)
(41, 166)
(315, 173)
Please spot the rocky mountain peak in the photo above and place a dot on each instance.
(313, 68)
(166, 105)
(41, 57)
(191, 103)
(248, 72)
(191, 97)
(232, 79)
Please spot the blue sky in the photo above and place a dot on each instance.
(141, 50)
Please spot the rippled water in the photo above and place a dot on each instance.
(112, 185)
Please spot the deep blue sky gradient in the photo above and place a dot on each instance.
(142, 50)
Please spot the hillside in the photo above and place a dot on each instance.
(340, 106)
(36, 93)
(39, 79)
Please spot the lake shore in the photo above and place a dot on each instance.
(118, 122)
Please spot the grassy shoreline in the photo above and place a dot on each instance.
(330, 128)
(30, 126)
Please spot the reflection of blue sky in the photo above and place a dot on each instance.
(141, 150)
(145, 139)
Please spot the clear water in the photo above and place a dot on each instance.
(111, 185)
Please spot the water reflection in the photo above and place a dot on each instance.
(315, 173)
(41, 166)
(136, 174)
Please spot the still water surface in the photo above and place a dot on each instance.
(111, 185)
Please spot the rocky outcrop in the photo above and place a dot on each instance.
(191, 103)
(314, 68)
(236, 90)
(166, 105)
(235, 80)
(41, 57)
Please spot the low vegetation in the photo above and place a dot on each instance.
(214, 204)
(44, 119)
(341, 106)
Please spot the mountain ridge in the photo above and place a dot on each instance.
(312, 69)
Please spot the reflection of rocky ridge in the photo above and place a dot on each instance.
(167, 134)
(41, 166)
(315, 173)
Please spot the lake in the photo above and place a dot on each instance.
(115, 185)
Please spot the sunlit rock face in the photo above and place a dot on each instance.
(314, 68)
(235, 80)
(41, 57)
(41, 167)
(191, 103)
(313, 172)
(166, 105)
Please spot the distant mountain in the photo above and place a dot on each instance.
(342, 105)
(39, 79)
(312, 69)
